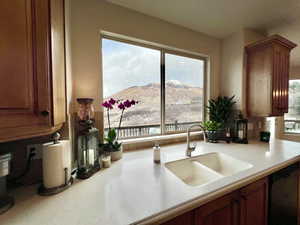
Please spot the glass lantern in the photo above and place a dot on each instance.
(88, 156)
(241, 130)
(87, 140)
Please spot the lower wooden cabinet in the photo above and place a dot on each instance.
(184, 219)
(254, 203)
(220, 211)
(246, 206)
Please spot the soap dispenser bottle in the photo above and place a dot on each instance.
(156, 153)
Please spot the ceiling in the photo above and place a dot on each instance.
(221, 18)
(291, 32)
(218, 18)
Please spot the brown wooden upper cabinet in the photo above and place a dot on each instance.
(268, 64)
(32, 68)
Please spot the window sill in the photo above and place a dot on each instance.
(291, 136)
(147, 142)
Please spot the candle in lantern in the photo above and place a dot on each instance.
(91, 153)
(106, 161)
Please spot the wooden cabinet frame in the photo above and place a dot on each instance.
(32, 68)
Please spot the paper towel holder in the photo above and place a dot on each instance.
(55, 190)
(56, 137)
(68, 182)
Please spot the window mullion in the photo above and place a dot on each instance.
(206, 90)
(162, 93)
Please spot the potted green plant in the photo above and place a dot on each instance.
(111, 141)
(221, 110)
(211, 130)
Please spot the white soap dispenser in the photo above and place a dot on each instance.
(156, 153)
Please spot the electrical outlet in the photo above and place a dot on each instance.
(259, 124)
(250, 126)
(37, 149)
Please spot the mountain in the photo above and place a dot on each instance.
(183, 103)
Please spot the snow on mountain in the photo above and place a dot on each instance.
(174, 82)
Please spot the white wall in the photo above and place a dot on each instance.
(89, 18)
(233, 76)
(295, 72)
(232, 66)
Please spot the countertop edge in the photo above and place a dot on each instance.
(198, 201)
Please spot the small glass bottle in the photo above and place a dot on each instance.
(156, 153)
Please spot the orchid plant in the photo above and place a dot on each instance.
(112, 138)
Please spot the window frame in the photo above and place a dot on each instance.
(163, 51)
(288, 120)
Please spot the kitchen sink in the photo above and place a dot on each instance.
(206, 168)
(192, 172)
(222, 163)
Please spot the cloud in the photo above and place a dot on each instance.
(126, 65)
(186, 70)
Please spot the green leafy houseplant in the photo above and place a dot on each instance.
(111, 142)
(211, 130)
(211, 125)
(220, 110)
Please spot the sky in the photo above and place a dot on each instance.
(126, 65)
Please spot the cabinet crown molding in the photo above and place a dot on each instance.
(273, 39)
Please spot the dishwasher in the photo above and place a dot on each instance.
(283, 196)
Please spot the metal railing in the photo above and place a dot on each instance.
(292, 126)
(151, 129)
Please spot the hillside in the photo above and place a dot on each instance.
(184, 104)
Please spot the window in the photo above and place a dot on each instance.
(292, 118)
(168, 85)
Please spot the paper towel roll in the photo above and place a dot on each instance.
(56, 157)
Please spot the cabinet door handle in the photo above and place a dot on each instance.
(45, 113)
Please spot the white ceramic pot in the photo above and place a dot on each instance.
(117, 155)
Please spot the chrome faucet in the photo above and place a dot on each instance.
(189, 148)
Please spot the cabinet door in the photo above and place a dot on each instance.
(223, 211)
(259, 82)
(184, 219)
(254, 203)
(32, 68)
(23, 102)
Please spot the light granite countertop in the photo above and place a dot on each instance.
(137, 191)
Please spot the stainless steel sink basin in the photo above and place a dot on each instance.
(206, 168)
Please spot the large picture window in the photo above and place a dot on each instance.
(168, 85)
(292, 118)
